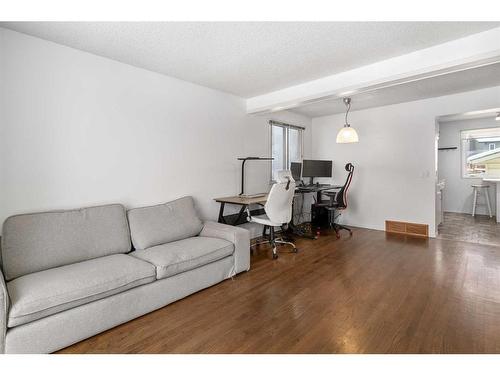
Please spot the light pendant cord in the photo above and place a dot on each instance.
(347, 102)
(347, 112)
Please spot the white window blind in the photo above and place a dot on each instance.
(286, 145)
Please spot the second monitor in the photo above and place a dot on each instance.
(316, 168)
(296, 169)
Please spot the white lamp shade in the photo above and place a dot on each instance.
(347, 135)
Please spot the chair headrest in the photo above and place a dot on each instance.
(284, 176)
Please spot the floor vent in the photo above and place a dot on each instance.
(412, 229)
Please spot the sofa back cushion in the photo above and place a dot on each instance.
(156, 225)
(39, 241)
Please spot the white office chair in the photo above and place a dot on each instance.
(278, 209)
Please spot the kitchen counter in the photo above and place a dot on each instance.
(496, 180)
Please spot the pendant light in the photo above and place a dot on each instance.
(347, 134)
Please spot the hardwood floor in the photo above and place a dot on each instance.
(464, 227)
(371, 293)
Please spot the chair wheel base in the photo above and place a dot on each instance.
(275, 256)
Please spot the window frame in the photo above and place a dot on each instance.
(463, 166)
(286, 143)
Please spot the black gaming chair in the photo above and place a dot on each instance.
(338, 202)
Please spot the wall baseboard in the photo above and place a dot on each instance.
(412, 229)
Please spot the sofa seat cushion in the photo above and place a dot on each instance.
(45, 293)
(180, 256)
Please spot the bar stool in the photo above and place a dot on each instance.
(477, 189)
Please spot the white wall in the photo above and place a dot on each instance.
(395, 172)
(458, 190)
(77, 129)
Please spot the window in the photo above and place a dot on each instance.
(286, 146)
(476, 145)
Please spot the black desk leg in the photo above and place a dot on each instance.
(240, 214)
(235, 219)
(221, 213)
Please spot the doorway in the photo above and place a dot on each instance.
(468, 172)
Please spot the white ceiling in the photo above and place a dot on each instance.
(467, 80)
(249, 59)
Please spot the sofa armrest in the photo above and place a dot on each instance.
(4, 308)
(238, 236)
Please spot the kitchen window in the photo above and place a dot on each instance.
(474, 144)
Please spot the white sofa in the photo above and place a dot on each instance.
(68, 275)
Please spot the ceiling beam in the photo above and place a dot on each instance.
(484, 113)
(461, 54)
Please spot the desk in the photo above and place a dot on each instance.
(318, 189)
(244, 202)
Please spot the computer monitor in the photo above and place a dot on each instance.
(296, 169)
(316, 168)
